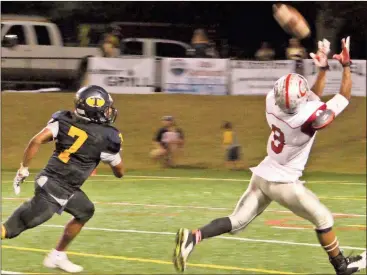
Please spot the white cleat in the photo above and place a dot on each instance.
(58, 259)
(184, 247)
(360, 263)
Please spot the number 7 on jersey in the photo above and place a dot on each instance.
(81, 138)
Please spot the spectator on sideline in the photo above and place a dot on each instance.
(231, 146)
(265, 52)
(111, 45)
(83, 35)
(295, 50)
(202, 47)
(168, 140)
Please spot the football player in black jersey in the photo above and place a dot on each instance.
(83, 138)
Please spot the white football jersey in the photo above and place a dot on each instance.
(290, 141)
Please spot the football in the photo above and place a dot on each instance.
(291, 21)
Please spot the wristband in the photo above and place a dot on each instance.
(347, 64)
(325, 68)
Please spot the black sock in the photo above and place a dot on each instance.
(215, 228)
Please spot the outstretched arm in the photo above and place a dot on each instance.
(340, 101)
(42, 137)
(321, 61)
(319, 85)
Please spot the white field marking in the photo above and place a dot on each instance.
(189, 207)
(131, 178)
(205, 179)
(284, 227)
(218, 237)
(9, 272)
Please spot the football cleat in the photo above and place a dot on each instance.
(349, 265)
(184, 247)
(357, 262)
(57, 259)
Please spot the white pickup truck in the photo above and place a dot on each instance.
(39, 54)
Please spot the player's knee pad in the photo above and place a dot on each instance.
(87, 213)
(12, 230)
(238, 223)
(323, 220)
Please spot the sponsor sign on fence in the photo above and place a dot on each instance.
(195, 76)
(257, 77)
(334, 76)
(122, 75)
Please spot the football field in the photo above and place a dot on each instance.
(136, 219)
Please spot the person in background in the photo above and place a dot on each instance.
(202, 47)
(111, 45)
(295, 50)
(83, 35)
(265, 52)
(167, 142)
(231, 146)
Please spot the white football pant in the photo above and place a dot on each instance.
(294, 196)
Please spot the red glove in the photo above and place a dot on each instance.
(344, 57)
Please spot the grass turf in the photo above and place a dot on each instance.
(339, 149)
(159, 206)
(155, 207)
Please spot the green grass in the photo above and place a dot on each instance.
(339, 149)
(339, 155)
(145, 209)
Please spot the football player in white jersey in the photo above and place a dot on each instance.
(294, 114)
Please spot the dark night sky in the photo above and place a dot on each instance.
(244, 24)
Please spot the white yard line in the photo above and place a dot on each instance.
(9, 272)
(203, 179)
(294, 228)
(187, 207)
(219, 237)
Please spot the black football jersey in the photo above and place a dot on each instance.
(79, 145)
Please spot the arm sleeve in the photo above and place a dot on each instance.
(110, 158)
(113, 142)
(53, 126)
(337, 104)
(111, 154)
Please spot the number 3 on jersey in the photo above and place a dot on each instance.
(81, 138)
(278, 141)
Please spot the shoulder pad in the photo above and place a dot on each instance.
(59, 115)
(323, 118)
(114, 140)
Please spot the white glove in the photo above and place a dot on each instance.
(21, 175)
(320, 58)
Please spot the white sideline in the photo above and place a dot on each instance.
(9, 272)
(188, 207)
(205, 179)
(219, 237)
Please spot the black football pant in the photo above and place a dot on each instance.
(42, 207)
